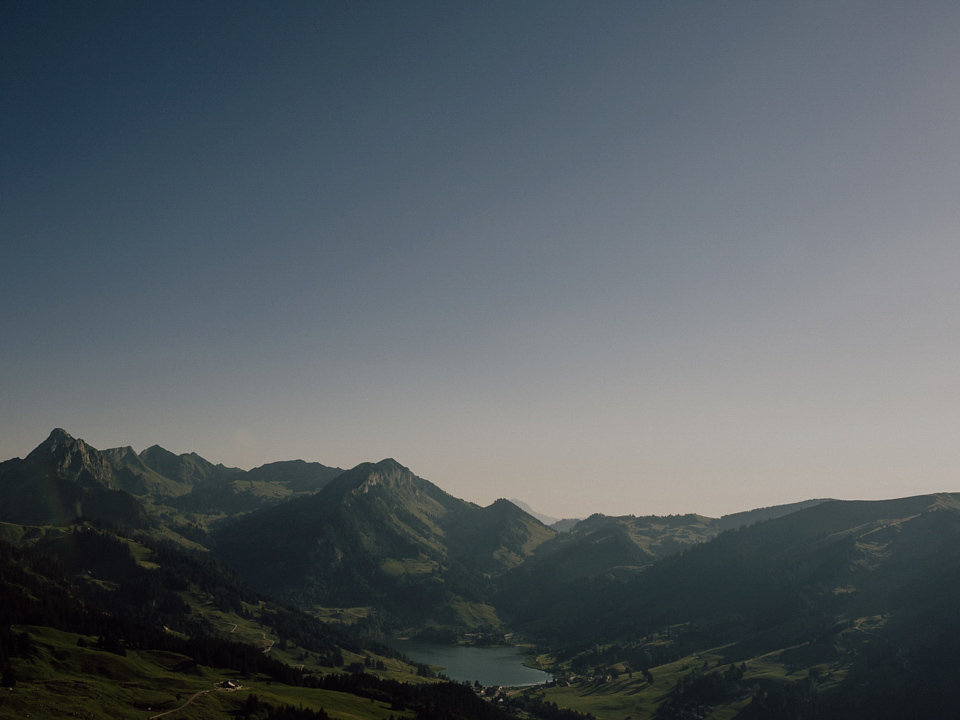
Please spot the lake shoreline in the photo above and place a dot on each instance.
(504, 666)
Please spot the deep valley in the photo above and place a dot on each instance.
(132, 582)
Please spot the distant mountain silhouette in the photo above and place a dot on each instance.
(558, 524)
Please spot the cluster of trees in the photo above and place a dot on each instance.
(701, 688)
(256, 709)
(790, 701)
(374, 664)
(149, 597)
(38, 590)
(435, 701)
(308, 632)
(203, 571)
(538, 707)
(19, 645)
(638, 656)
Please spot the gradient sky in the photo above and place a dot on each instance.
(601, 256)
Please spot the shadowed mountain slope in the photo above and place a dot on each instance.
(772, 581)
(189, 468)
(625, 544)
(236, 493)
(380, 535)
(299, 476)
(749, 517)
(846, 609)
(138, 478)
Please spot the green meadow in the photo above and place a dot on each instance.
(63, 679)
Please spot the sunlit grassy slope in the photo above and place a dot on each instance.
(63, 680)
(617, 693)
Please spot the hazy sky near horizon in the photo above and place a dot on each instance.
(619, 257)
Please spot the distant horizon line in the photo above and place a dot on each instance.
(523, 505)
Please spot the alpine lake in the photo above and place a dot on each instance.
(488, 665)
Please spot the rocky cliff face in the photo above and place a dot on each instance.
(61, 480)
(67, 458)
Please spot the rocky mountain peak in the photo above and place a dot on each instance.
(390, 467)
(503, 505)
(367, 476)
(57, 440)
(156, 453)
(71, 458)
(59, 434)
(125, 454)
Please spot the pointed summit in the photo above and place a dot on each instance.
(391, 464)
(63, 456)
(59, 434)
(509, 507)
(391, 478)
(377, 527)
(64, 478)
(57, 439)
(157, 455)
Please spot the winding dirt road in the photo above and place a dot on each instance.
(189, 700)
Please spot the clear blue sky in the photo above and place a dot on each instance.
(626, 257)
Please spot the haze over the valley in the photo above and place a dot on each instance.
(639, 258)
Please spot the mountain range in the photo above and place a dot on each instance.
(64, 479)
(855, 599)
(376, 535)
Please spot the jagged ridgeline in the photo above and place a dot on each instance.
(375, 536)
(65, 479)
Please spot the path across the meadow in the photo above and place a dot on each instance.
(189, 700)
